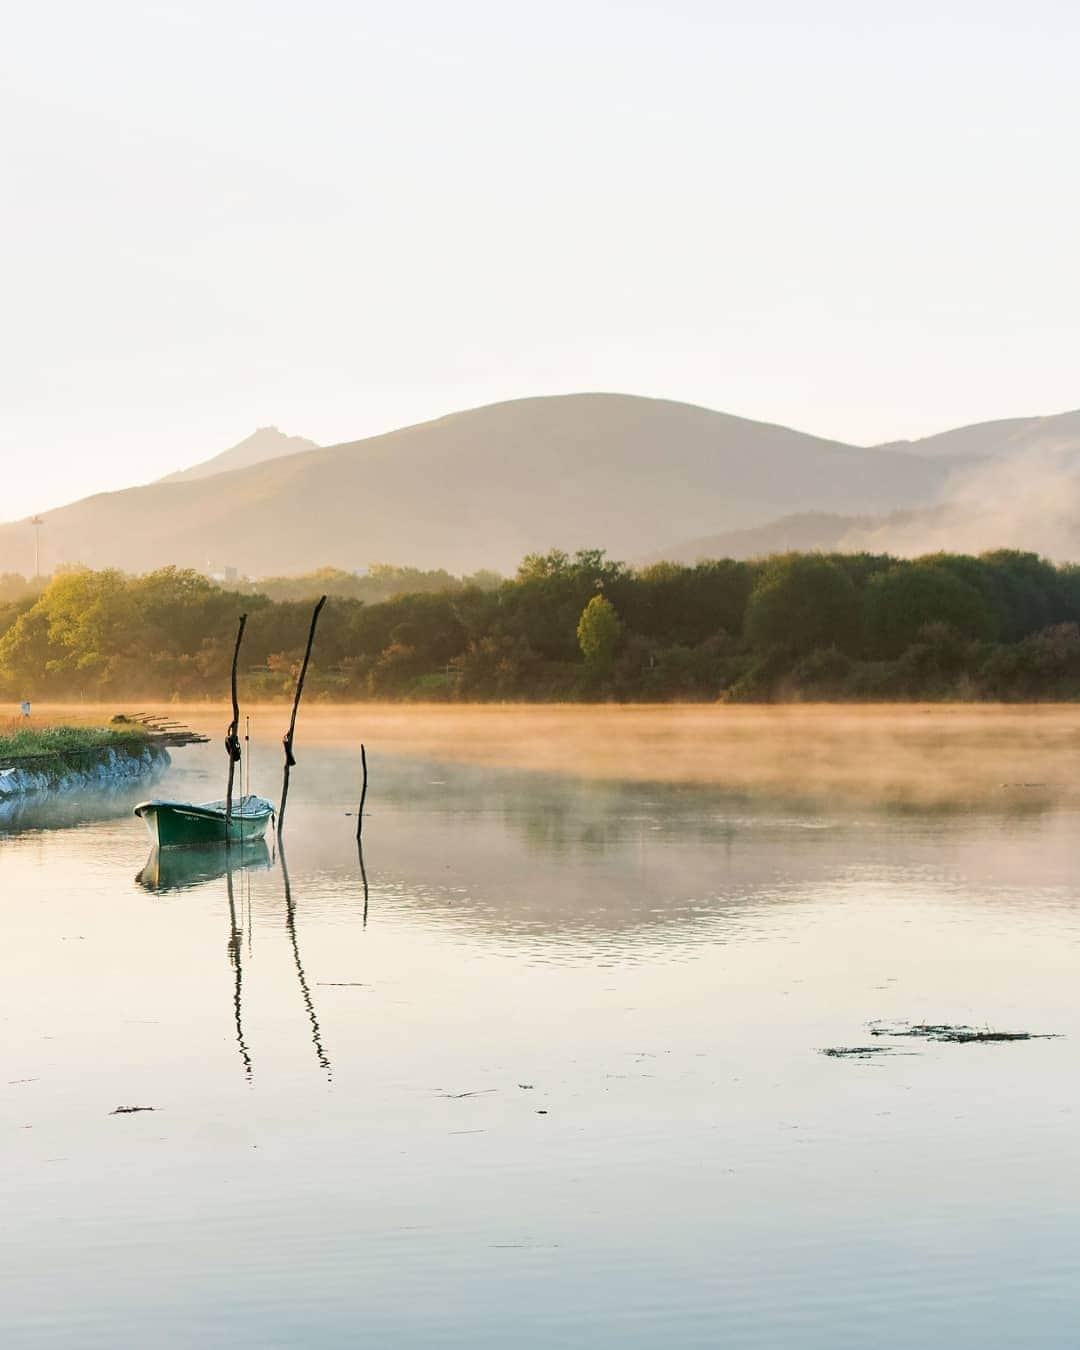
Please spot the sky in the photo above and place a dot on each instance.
(340, 217)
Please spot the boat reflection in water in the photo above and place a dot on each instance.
(180, 869)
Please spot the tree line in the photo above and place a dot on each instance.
(1004, 625)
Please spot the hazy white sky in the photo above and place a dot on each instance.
(856, 218)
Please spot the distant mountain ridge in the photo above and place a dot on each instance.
(265, 443)
(1015, 484)
(480, 488)
(1013, 435)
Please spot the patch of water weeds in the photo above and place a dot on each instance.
(955, 1034)
(860, 1051)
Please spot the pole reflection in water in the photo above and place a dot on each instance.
(235, 959)
(290, 921)
(363, 874)
(185, 869)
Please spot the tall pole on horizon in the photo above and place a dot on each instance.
(37, 523)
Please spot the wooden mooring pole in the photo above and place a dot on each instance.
(360, 830)
(287, 739)
(232, 738)
(363, 795)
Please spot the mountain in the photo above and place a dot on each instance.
(997, 440)
(264, 444)
(481, 488)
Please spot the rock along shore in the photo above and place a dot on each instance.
(111, 767)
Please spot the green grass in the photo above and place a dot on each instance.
(66, 744)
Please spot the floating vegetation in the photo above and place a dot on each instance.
(957, 1035)
(857, 1051)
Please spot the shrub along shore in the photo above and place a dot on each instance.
(822, 627)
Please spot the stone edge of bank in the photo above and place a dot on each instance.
(112, 768)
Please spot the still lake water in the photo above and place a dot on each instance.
(561, 1087)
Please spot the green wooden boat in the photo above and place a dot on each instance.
(187, 825)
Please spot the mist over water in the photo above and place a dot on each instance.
(937, 753)
(554, 1079)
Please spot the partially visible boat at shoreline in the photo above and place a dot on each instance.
(187, 824)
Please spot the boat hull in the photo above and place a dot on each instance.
(185, 825)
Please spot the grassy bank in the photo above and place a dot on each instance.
(64, 746)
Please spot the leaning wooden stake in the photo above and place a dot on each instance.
(360, 830)
(363, 795)
(232, 738)
(287, 739)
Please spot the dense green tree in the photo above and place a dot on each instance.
(900, 603)
(543, 604)
(1003, 625)
(1028, 593)
(684, 605)
(598, 633)
(860, 567)
(802, 601)
(15, 588)
(25, 653)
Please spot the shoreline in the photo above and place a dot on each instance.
(32, 763)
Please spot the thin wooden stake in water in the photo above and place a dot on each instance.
(287, 739)
(363, 795)
(360, 830)
(232, 739)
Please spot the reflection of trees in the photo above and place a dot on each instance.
(532, 856)
(564, 814)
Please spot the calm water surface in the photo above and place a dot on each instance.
(554, 1081)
